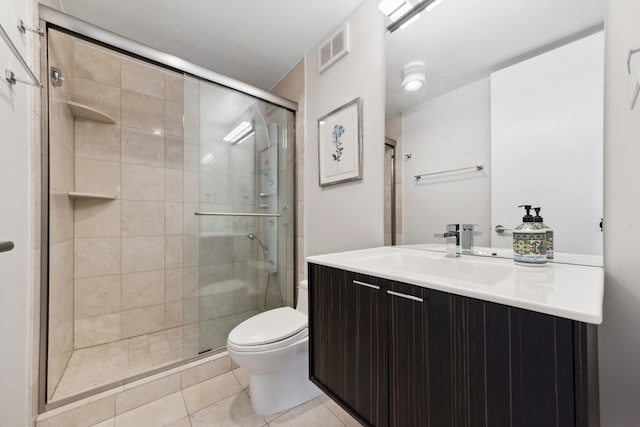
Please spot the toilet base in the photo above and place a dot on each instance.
(275, 392)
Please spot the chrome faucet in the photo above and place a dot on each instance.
(454, 249)
(459, 238)
(467, 237)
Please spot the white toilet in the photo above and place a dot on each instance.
(273, 347)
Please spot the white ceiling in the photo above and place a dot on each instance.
(462, 41)
(254, 41)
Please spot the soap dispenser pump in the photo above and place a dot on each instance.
(529, 241)
(548, 230)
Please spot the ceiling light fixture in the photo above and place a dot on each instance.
(402, 13)
(239, 133)
(413, 75)
(394, 9)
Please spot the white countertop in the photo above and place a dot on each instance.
(570, 291)
(559, 257)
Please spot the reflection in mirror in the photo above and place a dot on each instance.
(513, 86)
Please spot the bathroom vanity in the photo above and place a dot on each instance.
(400, 337)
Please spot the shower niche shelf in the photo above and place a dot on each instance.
(79, 195)
(81, 111)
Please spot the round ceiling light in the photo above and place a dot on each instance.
(413, 75)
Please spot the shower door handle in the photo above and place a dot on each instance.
(6, 246)
(285, 215)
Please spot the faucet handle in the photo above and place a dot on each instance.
(450, 231)
(471, 228)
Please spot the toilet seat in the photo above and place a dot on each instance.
(269, 330)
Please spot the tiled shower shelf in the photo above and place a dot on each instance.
(81, 111)
(78, 195)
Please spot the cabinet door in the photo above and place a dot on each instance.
(435, 363)
(456, 361)
(411, 377)
(348, 341)
(510, 366)
(541, 369)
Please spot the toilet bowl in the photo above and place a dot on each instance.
(273, 347)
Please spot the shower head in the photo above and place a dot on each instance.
(252, 236)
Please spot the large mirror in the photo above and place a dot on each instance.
(510, 113)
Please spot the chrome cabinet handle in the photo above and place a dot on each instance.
(368, 285)
(411, 297)
(6, 246)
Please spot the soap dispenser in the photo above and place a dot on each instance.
(548, 230)
(529, 241)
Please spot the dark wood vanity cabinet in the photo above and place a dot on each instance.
(402, 355)
(349, 345)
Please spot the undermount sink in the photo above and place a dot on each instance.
(428, 265)
(571, 291)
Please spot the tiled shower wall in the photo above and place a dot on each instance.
(117, 267)
(135, 265)
(61, 246)
(129, 251)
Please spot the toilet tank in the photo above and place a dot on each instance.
(303, 298)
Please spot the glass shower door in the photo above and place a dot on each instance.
(238, 257)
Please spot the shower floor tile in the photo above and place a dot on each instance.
(104, 364)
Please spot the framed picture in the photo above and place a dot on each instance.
(340, 144)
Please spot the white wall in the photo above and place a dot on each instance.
(15, 223)
(448, 132)
(546, 138)
(350, 215)
(619, 335)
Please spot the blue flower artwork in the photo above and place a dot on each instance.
(340, 144)
(338, 131)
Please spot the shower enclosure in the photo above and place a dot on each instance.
(167, 218)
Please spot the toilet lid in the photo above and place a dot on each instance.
(269, 326)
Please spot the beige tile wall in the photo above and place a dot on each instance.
(61, 251)
(128, 251)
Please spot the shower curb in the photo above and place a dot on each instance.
(121, 398)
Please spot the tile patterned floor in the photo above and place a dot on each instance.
(96, 366)
(104, 364)
(224, 401)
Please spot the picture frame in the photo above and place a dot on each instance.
(340, 144)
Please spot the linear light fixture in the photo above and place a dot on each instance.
(408, 15)
(244, 137)
(394, 9)
(239, 133)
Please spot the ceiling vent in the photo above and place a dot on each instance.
(333, 49)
